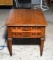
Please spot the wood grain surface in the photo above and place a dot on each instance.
(26, 17)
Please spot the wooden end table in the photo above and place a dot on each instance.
(26, 23)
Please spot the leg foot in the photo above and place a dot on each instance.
(41, 46)
(10, 45)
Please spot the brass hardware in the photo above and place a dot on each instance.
(26, 35)
(26, 29)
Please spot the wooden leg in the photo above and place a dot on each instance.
(10, 45)
(41, 46)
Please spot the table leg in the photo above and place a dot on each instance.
(41, 46)
(10, 45)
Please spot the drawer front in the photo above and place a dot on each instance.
(26, 28)
(21, 35)
(20, 29)
(30, 32)
(26, 34)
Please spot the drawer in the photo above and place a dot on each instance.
(14, 29)
(21, 35)
(26, 34)
(26, 28)
(31, 32)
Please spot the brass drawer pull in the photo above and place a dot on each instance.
(26, 29)
(26, 35)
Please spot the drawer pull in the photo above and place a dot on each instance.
(26, 29)
(26, 35)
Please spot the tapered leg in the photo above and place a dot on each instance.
(41, 46)
(10, 45)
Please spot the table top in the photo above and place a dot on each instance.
(26, 17)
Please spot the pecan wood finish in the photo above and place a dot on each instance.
(26, 23)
